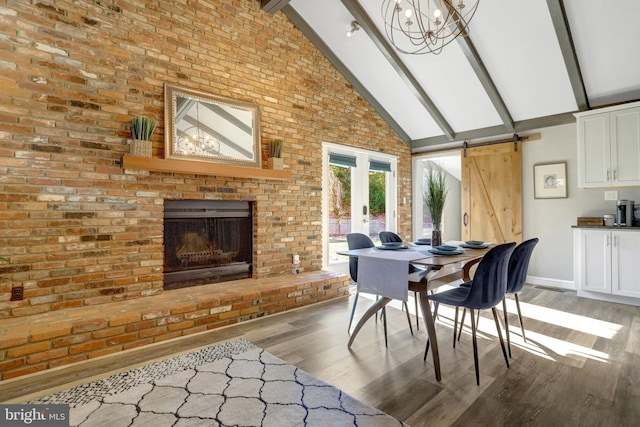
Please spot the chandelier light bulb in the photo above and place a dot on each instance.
(407, 13)
(437, 13)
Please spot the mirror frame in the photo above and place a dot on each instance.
(172, 92)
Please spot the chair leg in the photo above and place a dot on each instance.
(506, 324)
(406, 307)
(504, 350)
(520, 316)
(464, 312)
(353, 310)
(455, 327)
(415, 300)
(475, 346)
(384, 314)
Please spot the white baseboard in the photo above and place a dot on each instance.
(610, 298)
(554, 283)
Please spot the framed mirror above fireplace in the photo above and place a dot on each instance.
(210, 128)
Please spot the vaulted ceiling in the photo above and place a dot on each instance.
(526, 64)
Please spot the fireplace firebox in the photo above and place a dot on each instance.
(207, 241)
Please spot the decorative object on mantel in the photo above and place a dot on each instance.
(204, 127)
(275, 154)
(435, 195)
(141, 130)
(426, 26)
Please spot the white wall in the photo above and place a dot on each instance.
(451, 215)
(551, 219)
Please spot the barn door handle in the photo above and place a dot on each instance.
(464, 219)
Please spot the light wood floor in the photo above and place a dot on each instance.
(580, 365)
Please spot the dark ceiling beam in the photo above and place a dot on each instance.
(313, 37)
(563, 33)
(490, 88)
(367, 24)
(272, 6)
(424, 144)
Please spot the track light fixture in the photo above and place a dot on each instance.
(354, 27)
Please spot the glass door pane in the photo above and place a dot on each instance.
(377, 204)
(359, 197)
(339, 210)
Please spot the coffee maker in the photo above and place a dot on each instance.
(625, 213)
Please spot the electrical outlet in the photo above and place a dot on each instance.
(296, 259)
(297, 270)
(17, 293)
(611, 195)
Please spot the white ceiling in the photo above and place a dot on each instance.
(521, 68)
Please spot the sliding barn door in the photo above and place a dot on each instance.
(492, 193)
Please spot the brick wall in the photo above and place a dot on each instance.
(79, 230)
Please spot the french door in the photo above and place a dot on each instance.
(359, 195)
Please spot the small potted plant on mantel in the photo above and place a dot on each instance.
(141, 130)
(275, 154)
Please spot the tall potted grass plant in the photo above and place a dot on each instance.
(435, 195)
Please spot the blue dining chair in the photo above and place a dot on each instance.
(517, 276)
(486, 290)
(390, 236)
(362, 241)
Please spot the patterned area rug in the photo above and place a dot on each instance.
(231, 384)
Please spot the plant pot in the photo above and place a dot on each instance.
(436, 237)
(276, 163)
(140, 148)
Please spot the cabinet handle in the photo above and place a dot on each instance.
(608, 240)
(615, 175)
(464, 219)
(615, 241)
(608, 175)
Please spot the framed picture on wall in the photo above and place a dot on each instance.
(550, 181)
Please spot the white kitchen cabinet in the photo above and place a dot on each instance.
(607, 261)
(609, 146)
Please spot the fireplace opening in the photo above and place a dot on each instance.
(207, 241)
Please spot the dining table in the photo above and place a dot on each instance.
(384, 271)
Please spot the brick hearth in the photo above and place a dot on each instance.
(33, 344)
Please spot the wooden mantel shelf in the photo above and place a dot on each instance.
(202, 168)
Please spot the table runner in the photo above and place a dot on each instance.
(386, 272)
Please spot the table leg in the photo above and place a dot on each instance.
(431, 331)
(377, 306)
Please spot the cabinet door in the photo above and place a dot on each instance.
(594, 151)
(595, 262)
(625, 260)
(625, 146)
